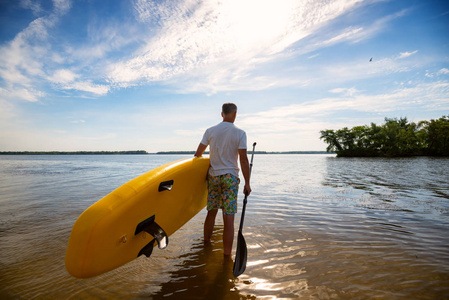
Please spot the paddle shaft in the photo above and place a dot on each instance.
(245, 200)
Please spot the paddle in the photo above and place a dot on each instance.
(242, 251)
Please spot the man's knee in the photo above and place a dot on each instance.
(212, 213)
(228, 220)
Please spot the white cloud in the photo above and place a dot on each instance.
(349, 34)
(28, 59)
(339, 73)
(87, 86)
(33, 5)
(68, 80)
(345, 91)
(310, 116)
(207, 46)
(21, 94)
(443, 71)
(62, 6)
(328, 36)
(63, 76)
(407, 54)
(22, 59)
(230, 36)
(18, 63)
(431, 96)
(78, 121)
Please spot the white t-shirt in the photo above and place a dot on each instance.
(224, 139)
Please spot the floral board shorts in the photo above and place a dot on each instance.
(222, 193)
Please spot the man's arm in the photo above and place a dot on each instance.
(201, 148)
(244, 164)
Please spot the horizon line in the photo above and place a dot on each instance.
(144, 152)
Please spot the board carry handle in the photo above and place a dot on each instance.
(166, 185)
(149, 225)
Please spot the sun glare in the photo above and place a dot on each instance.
(255, 23)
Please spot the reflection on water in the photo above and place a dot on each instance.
(316, 227)
(202, 273)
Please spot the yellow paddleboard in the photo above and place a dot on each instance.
(132, 219)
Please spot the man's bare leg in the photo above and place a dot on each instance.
(228, 234)
(209, 225)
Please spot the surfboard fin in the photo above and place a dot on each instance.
(150, 226)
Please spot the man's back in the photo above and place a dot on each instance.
(224, 140)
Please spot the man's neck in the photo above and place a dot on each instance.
(230, 118)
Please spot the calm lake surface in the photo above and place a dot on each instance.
(316, 226)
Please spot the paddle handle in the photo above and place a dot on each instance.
(245, 200)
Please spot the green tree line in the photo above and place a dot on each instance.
(394, 138)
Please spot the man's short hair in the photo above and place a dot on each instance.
(229, 108)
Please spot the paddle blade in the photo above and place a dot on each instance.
(240, 256)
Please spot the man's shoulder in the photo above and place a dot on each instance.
(214, 127)
(222, 125)
(241, 131)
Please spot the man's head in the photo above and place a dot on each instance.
(228, 108)
(229, 112)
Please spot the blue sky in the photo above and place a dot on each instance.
(152, 75)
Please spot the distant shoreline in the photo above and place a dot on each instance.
(138, 152)
(73, 152)
(256, 152)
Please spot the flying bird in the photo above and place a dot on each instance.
(371, 59)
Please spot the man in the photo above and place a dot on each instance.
(227, 144)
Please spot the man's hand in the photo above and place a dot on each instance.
(244, 164)
(247, 189)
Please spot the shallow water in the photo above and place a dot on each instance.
(316, 226)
